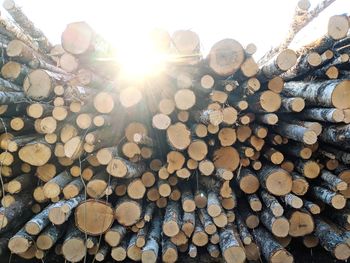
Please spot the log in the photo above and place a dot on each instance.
(226, 57)
(61, 211)
(278, 226)
(277, 181)
(230, 246)
(270, 248)
(330, 93)
(49, 236)
(272, 203)
(127, 211)
(328, 197)
(93, 217)
(73, 247)
(25, 23)
(330, 240)
(151, 248)
(301, 222)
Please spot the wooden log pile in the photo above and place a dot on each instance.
(212, 153)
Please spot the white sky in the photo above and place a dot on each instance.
(263, 22)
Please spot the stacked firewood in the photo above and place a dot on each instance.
(216, 153)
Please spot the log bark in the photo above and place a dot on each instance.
(230, 246)
(330, 240)
(270, 248)
(328, 93)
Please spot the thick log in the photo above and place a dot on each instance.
(226, 57)
(276, 180)
(94, 217)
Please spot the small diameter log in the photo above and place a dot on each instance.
(97, 185)
(188, 223)
(94, 217)
(20, 183)
(309, 168)
(199, 236)
(276, 180)
(330, 93)
(151, 248)
(248, 181)
(73, 247)
(61, 211)
(49, 236)
(295, 104)
(171, 222)
(230, 246)
(209, 117)
(20, 242)
(292, 201)
(313, 208)
(333, 181)
(187, 200)
(254, 202)
(278, 226)
(115, 235)
(73, 188)
(301, 222)
(299, 184)
(54, 187)
(250, 218)
(279, 64)
(298, 150)
(119, 167)
(330, 240)
(270, 248)
(206, 221)
(322, 114)
(214, 207)
(296, 132)
(329, 197)
(35, 225)
(133, 252)
(266, 101)
(272, 203)
(243, 231)
(127, 211)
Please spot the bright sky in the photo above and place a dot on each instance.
(263, 22)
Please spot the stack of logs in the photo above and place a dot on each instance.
(216, 153)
